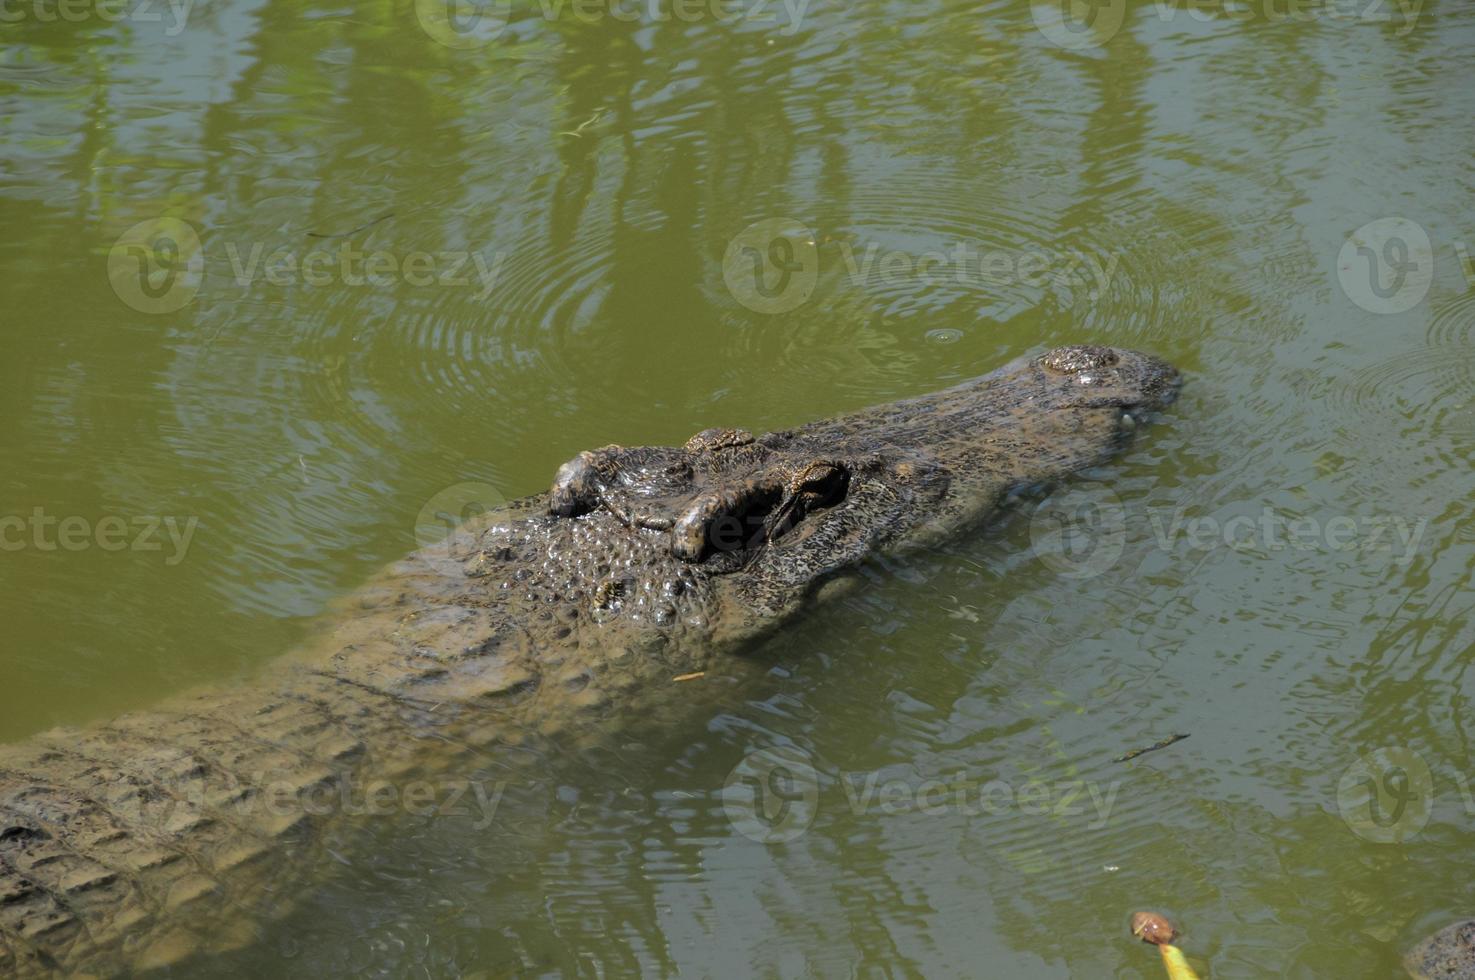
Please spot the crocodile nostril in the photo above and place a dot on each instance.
(1074, 360)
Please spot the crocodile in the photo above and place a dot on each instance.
(177, 831)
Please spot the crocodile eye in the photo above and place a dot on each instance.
(740, 516)
(1078, 359)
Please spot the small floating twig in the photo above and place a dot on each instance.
(1151, 748)
(689, 677)
(363, 227)
(579, 129)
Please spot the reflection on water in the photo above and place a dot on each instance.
(425, 264)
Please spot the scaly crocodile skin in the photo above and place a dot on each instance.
(172, 832)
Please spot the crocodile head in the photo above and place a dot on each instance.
(795, 504)
(679, 552)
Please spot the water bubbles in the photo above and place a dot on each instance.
(943, 336)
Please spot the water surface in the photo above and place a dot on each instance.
(565, 206)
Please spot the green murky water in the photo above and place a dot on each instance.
(389, 252)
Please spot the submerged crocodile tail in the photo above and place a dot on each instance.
(167, 833)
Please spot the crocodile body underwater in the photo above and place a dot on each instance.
(172, 832)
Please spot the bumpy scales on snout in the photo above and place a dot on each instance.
(775, 514)
(563, 616)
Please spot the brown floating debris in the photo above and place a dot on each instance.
(1157, 930)
(1153, 928)
(1151, 748)
(690, 677)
